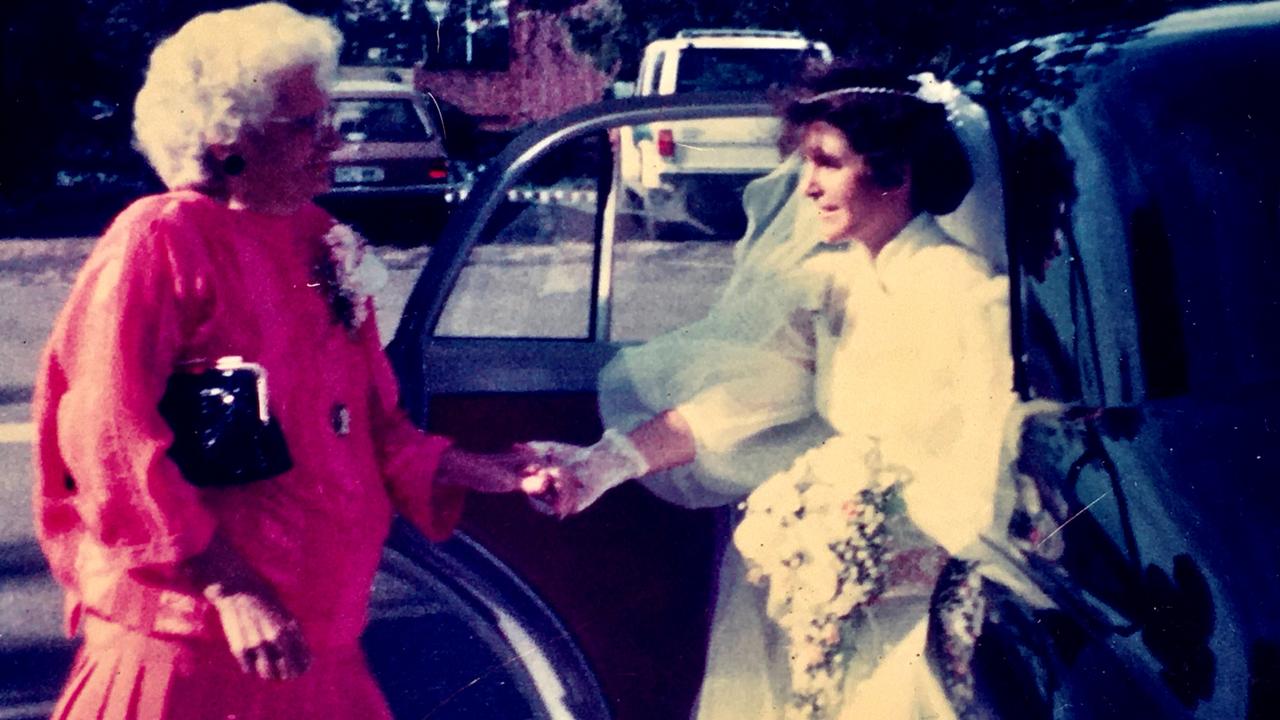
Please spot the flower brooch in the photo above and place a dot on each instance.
(348, 274)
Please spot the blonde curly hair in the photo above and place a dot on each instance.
(216, 76)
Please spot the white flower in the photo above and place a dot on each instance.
(353, 272)
(937, 91)
(814, 536)
(815, 585)
(779, 495)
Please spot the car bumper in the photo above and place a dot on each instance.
(358, 191)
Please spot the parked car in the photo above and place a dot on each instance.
(393, 157)
(692, 171)
(1141, 199)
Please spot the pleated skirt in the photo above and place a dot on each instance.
(120, 674)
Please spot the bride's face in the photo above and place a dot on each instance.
(840, 183)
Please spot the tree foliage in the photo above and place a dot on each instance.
(70, 71)
(916, 34)
(71, 68)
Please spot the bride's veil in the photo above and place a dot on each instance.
(725, 366)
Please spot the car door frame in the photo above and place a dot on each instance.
(427, 365)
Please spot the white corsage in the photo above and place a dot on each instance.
(349, 274)
(814, 535)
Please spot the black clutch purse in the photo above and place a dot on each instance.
(223, 434)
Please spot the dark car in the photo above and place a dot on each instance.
(1141, 200)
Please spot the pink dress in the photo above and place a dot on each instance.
(181, 277)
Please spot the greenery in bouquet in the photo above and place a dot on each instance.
(815, 537)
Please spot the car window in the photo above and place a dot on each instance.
(531, 273)
(713, 69)
(1165, 278)
(654, 75)
(665, 281)
(1205, 233)
(542, 268)
(379, 120)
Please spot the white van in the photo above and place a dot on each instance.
(690, 171)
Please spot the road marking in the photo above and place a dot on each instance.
(17, 432)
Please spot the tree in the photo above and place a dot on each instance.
(70, 70)
(471, 34)
(920, 34)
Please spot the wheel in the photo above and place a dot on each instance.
(454, 634)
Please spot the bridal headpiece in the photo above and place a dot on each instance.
(857, 90)
(932, 90)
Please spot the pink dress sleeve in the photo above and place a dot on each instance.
(110, 356)
(408, 456)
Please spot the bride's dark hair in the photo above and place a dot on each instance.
(886, 123)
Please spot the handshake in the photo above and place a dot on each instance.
(565, 479)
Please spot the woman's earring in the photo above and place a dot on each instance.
(233, 165)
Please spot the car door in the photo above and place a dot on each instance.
(540, 276)
(1143, 181)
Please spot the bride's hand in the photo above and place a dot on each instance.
(552, 488)
(570, 478)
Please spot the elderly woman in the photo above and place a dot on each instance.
(897, 334)
(237, 601)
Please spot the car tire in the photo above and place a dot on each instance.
(454, 634)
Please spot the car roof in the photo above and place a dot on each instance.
(1221, 17)
(1047, 74)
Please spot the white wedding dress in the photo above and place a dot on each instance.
(911, 355)
(811, 351)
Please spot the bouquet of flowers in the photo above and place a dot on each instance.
(815, 536)
(348, 274)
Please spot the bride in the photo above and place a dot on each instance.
(854, 396)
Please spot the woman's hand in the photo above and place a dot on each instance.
(550, 484)
(262, 634)
(264, 637)
(486, 472)
(567, 478)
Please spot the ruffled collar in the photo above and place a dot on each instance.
(892, 267)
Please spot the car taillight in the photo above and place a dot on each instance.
(438, 169)
(666, 143)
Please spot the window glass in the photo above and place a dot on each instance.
(1202, 212)
(379, 121)
(1166, 279)
(679, 215)
(655, 77)
(719, 69)
(539, 269)
(531, 274)
(1052, 336)
(1207, 242)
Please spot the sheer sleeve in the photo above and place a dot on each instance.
(141, 292)
(742, 377)
(408, 457)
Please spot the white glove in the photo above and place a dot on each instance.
(571, 477)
